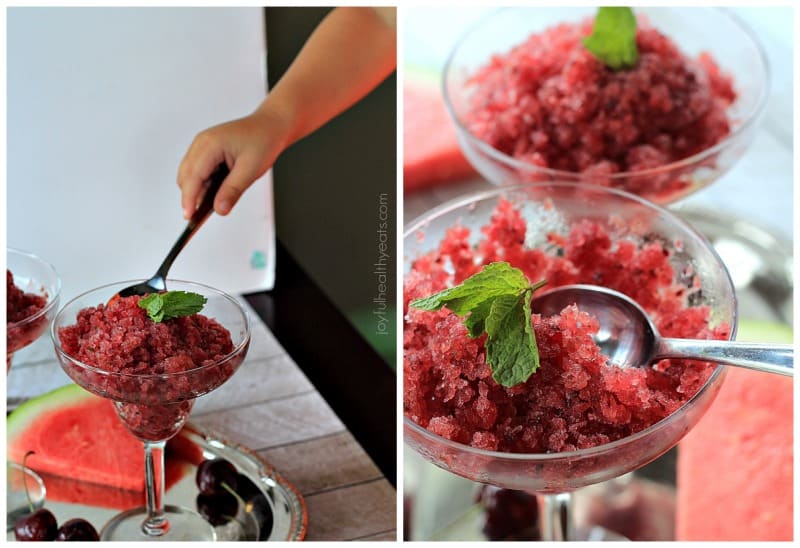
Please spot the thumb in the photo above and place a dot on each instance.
(244, 172)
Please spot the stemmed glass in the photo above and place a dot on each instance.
(154, 407)
(552, 207)
(730, 42)
(32, 275)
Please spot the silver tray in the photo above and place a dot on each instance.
(280, 516)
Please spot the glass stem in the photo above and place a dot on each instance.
(555, 517)
(156, 523)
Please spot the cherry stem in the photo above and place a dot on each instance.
(236, 495)
(239, 500)
(25, 481)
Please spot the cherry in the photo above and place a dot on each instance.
(509, 514)
(40, 525)
(211, 474)
(77, 529)
(217, 509)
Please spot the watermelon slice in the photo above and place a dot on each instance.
(82, 450)
(431, 154)
(735, 473)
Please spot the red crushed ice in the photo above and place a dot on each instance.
(574, 400)
(550, 103)
(119, 337)
(21, 305)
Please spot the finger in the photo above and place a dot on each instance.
(245, 171)
(204, 155)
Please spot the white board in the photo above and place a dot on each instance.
(102, 105)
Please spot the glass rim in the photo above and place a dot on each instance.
(149, 376)
(751, 119)
(467, 199)
(51, 299)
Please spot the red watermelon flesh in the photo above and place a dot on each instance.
(735, 477)
(82, 450)
(431, 154)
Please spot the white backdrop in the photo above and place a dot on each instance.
(102, 105)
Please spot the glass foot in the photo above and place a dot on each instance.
(183, 525)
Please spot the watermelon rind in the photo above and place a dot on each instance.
(28, 412)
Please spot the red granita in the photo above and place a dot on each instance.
(119, 337)
(22, 325)
(550, 103)
(161, 364)
(574, 400)
(21, 305)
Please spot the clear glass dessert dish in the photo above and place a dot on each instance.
(728, 40)
(549, 208)
(32, 275)
(154, 407)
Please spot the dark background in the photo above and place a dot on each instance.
(327, 191)
(327, 187)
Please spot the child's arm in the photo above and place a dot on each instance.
(348, 54)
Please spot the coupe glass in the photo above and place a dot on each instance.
(154, 407)
(695, 30)
(32, 275)
(553, 207)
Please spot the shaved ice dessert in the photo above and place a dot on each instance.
(575, 400)
(548, 102)
(155, 369)
(24, 321)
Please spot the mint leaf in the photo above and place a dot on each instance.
(495, 301)
(613, 38)
(511, 349)
(172, 304)
(182, 303)
(493, 280)
(153, 304)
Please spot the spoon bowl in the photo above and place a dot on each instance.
(629, 338)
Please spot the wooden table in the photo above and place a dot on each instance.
(271, 407)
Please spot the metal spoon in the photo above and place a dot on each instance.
(629, 338)
(159, 280)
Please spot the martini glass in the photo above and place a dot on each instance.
(548, 208)
(154, 407)
(694, 30)
(32, 275)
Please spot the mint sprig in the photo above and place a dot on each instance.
(613, 38)
(172, 304)
(495, 301)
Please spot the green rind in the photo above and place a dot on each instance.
(422, 75)
(34, 408)
(764, 331)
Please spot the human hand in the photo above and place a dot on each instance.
(248, 146)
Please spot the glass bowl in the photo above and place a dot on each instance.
(32, 275)
(548, 208)
(694, 30)
(133, 393)
(154, 407)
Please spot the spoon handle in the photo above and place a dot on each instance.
(772, 358)
(198, 218)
